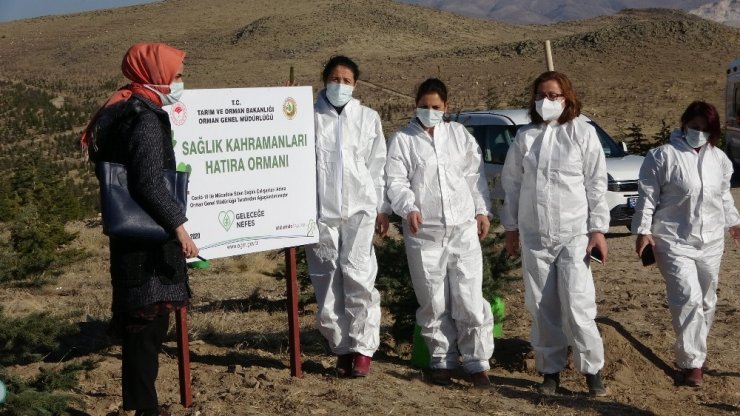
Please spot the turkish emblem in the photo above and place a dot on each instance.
(289, 108)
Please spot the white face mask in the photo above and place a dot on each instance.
(696, 138)
(176, 90)
(549, 110)
(339, 94)
(428, 117)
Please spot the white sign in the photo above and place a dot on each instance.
(251, 156)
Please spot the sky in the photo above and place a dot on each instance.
(24, 9)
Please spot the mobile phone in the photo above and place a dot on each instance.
(596, 255)
(648, 257)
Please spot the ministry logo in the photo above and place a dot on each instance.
(290, 108)
(179, 114)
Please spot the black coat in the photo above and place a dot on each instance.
(137, 133)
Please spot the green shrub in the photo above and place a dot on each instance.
(394, 282)
(36, 247)
(305, 289)
(663, 136)
(28, 339)
(637, 143)
(41, 396)
(50, 380)
(398, 294)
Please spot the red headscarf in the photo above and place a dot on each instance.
(154, 64)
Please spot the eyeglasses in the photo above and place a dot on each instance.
(552, 96)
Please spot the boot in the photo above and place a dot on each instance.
(595, 385)
(344, 365)
(693, 377)
(549, 385)
(362, 365)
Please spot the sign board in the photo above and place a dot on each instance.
(251, 155)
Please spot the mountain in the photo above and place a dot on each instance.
(724, 11)
(636, 66)
(549, 11)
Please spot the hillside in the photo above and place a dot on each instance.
(637, 66)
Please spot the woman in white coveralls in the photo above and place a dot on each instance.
(436, 183)
(554, 180)
(350, 163)
(683, 208)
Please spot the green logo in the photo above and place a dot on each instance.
(226, 219)
(182, 167)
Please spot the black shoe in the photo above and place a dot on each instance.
(344, 365)
(441, 376)
(549, 384)
(595, 385)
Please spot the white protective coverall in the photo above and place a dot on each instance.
(443, 179)
(554, 179)
(685, 203)
(350, 163)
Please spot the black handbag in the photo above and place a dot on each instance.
(123, 217)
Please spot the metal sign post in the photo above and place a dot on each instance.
(294, 327)
(183, 356)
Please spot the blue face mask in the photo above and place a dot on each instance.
(339, 94)
(176, 90)
(429, 117)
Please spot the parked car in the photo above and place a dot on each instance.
(495, 130)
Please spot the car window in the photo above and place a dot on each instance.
(611, 148)
(493, 141)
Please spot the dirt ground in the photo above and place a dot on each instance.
(638, 67)
(240, 361)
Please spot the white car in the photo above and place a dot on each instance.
(495, 130)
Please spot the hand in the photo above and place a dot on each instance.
(189, 248)
(381, 224)
(483, 226)
(512, 243)
(414, 219)
(599, 241)
(643, 240)
(735, 233)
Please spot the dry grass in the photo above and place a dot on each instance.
(636, 67)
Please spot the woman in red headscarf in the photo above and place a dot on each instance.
(149, 278)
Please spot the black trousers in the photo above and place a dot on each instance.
(142, 341)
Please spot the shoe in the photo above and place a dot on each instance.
(362, 365)
(549, 384)
(595, 385)
(693, 377)
(344, 365)
(441, 376)
(481, 380)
